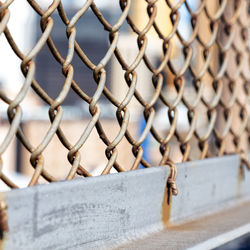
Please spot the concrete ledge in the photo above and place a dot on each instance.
(106, 211)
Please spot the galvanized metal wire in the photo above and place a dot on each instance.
(219, 62)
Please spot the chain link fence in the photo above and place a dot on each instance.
(182, 92)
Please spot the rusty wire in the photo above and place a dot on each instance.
(222, 45)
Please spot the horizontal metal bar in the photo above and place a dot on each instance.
(85, 213)
(206, 186)
(113, 209)
(223, 238)
(201, 234)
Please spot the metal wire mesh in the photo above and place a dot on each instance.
(206, 73)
